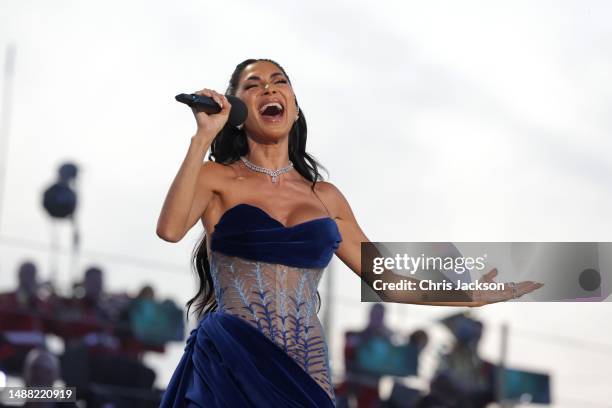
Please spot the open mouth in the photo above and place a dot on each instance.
(271, 111)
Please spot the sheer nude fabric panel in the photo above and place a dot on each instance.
(281, 302)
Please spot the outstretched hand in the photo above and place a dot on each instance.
(512, 290)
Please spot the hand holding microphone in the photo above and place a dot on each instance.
(211, 116)
(213, 110)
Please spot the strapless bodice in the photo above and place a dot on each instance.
(268, 274)
(249, 232)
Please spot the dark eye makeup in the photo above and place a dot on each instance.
(280, 81)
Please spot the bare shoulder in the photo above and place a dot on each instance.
(215, 175)
(327, 189)
(210, 167)
(331, 196)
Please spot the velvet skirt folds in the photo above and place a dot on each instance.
(229, 363)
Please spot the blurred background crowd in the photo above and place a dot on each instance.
(102, 337)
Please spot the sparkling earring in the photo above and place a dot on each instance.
(297, 116)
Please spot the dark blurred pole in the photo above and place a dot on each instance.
(54, 254)
(76, 246)
(60, 202)
(7, 99)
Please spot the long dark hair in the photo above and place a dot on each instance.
(226, 148)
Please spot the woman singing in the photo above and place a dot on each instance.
(271, 227)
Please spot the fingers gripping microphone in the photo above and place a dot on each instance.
(238, 112)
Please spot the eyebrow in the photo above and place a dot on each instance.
(256, 78)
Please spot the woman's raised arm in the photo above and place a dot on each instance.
(191, 189)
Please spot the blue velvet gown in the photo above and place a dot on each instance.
(264, 346)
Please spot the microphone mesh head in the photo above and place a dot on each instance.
(238, 113)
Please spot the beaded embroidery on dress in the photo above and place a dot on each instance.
(281, 302)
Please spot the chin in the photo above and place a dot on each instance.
(274, 137)
(275, 132)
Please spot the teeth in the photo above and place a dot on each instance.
(278, 105)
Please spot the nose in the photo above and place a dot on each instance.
(268, 89)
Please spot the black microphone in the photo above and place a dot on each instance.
(238, 112)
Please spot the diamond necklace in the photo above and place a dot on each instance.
(272, 173)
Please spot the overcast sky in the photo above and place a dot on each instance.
(439, 121)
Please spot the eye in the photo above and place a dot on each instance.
(249, 86)
(282, 81)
